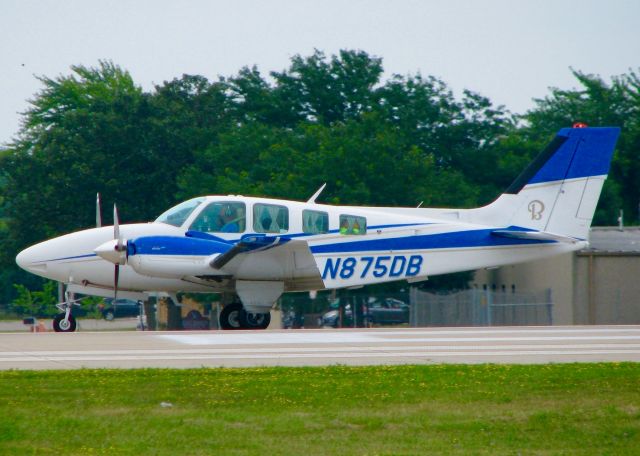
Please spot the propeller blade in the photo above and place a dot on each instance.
(98, 211)
(116, 278)
(120, 247)
(116, 226)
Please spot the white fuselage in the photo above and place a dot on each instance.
(384, 246)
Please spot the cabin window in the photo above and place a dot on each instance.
(315, 222)
(177, 215)
(221, 217)
(352, 224)
(270, 218)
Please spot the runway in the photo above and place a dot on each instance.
(130, 349)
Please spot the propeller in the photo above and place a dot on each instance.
(120, 248)
(114, 251)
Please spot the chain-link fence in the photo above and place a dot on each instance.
(481, 308)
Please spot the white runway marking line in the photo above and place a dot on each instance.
(318, 352)
(354, 338)
(205, 351)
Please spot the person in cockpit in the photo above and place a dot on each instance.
(229, 218)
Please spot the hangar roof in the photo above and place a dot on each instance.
(614, 240)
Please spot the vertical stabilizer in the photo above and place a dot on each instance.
(558, 192)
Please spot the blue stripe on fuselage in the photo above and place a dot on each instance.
(190, 246)
(168, 245)
(76, 257)
(460, 239)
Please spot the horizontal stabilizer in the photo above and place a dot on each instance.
(535, 236)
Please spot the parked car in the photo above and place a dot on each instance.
(388, 311)
(331, 319)
(120, 308)
(385, 311)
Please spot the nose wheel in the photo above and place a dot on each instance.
(62, 324)
(64, 321)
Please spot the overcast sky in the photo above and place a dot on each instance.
(510, 51)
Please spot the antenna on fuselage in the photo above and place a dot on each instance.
(98, 211)
(316, 194)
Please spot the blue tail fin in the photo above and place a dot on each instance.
(574, 153)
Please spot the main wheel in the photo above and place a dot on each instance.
(250, 320)
(230, 316)
(62, 325)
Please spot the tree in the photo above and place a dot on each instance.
(329, 91)
(93, 131)
(597, 104)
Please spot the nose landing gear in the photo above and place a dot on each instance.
(64, 321)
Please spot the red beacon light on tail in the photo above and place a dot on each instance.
(580, 125)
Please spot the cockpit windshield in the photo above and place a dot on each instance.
(178, 214)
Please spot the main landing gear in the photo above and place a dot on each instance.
(233, 316)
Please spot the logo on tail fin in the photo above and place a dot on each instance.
(536, 207)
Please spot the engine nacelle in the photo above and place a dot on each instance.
(174, 257)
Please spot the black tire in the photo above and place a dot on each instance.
(254, 320)
(60, 325)
(109, 315)
(230, 316)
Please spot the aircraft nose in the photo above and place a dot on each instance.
(22, 259)
(29, 261)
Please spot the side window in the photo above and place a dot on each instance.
(270, 218)
(315, 222)
(352, 224)
(221, 217)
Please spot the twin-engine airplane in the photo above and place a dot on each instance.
(258, 248)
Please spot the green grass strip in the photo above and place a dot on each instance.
(433, 409)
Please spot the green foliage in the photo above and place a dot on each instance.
(598, 104)
(39, 303)
(90, 305)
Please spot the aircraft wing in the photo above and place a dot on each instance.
(269, 258)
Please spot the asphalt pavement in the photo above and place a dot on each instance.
(131, 349)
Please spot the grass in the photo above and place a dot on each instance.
(441, 409)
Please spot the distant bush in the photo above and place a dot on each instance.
(39, 303)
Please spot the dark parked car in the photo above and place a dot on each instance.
(119, 308)
(389, 311)
(386, 311)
